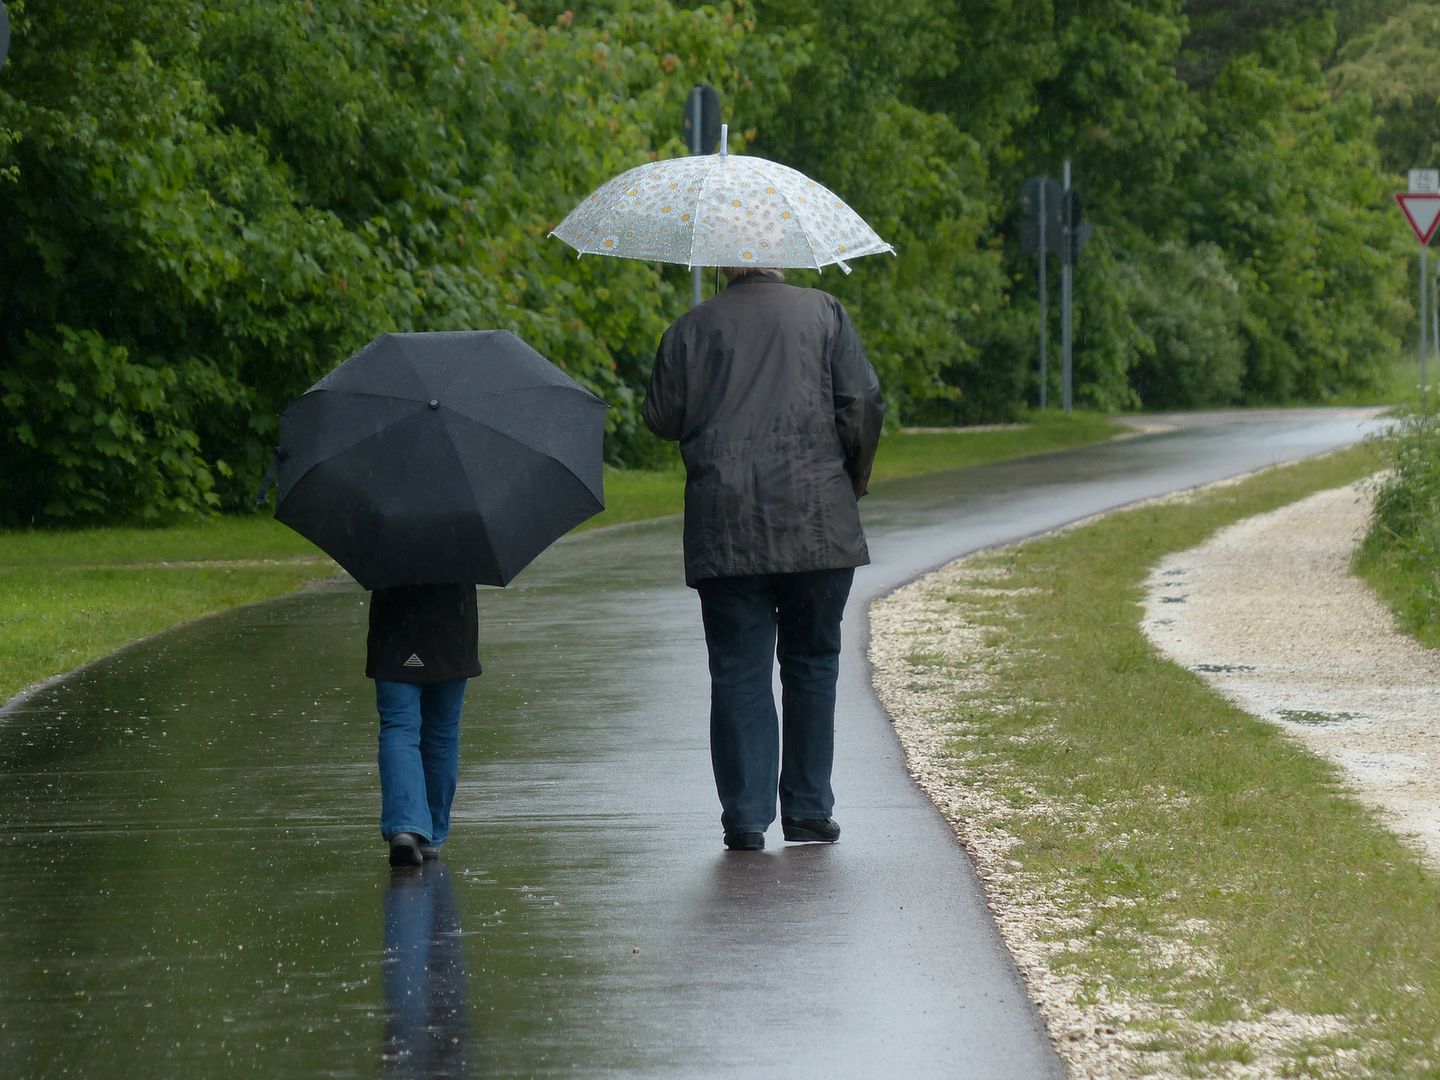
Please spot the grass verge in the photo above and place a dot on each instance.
(67, 597)
(1199, 888)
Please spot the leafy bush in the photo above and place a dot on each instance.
(1401, 552)
(103, 434)
(214, 204)
(1187, 306)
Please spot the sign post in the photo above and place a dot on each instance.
(1421, 207)
(1041, 199)
(1052, 225)
(1067, 285)
(701, 127)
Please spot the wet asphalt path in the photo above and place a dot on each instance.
(194, 885)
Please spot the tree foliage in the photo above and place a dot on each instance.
(210, 205)
(1397, 66)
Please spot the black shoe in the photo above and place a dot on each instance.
(430, 851)
(744, 841)
(405, 850)
(811, 830)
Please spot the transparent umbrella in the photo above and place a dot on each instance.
(719, 210)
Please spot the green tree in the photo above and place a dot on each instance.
(1397, 65)
(1187, 305)
(210, 205)
(1286, 182)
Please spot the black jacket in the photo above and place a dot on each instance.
(777, 412)
(423, 634)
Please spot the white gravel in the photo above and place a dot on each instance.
(1268, 612)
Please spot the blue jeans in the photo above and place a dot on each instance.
(419, 756)
(749, 622)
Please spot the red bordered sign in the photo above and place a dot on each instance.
(1422, 210)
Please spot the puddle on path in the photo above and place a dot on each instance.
(1315, 718)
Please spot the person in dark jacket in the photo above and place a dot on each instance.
(422, 646)
(777, 412)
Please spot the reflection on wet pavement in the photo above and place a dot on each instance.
(427, 1021)
(195, 884)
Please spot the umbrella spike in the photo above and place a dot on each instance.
(724, 139)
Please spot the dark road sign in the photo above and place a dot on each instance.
(1038, 190)
(702, 114)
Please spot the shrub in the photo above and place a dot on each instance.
(1401, 552)
(1187, 307)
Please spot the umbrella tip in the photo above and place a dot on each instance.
(724, 139)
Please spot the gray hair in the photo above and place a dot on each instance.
(732, 272)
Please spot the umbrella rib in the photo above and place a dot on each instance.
(612, 209)
(479, 517)
(800, 220)
(521, 443)
(695, 223)
(369, 394)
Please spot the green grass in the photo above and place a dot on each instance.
(1400, 386)
(907, 454)
(1168, 805)
(69, 596)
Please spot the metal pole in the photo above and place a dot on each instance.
(1067, 273)
(695, 148)
(1434, 334)
(1424, 319)
(1044, 377)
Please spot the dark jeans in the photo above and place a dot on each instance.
(749, 622)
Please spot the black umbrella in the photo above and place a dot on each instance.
(446, 457)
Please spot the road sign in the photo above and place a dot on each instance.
(702, 119)
(1038, 192)
(1030, 237)
(1422, 210)
(1426, 181)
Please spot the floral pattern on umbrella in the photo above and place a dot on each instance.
(719, 210)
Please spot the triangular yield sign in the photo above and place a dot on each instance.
(1422, 210)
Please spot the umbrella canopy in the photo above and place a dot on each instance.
(719, 210)
(442, 457)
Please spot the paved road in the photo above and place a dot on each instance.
(194, 886)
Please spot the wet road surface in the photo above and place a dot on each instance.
(195, 885)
